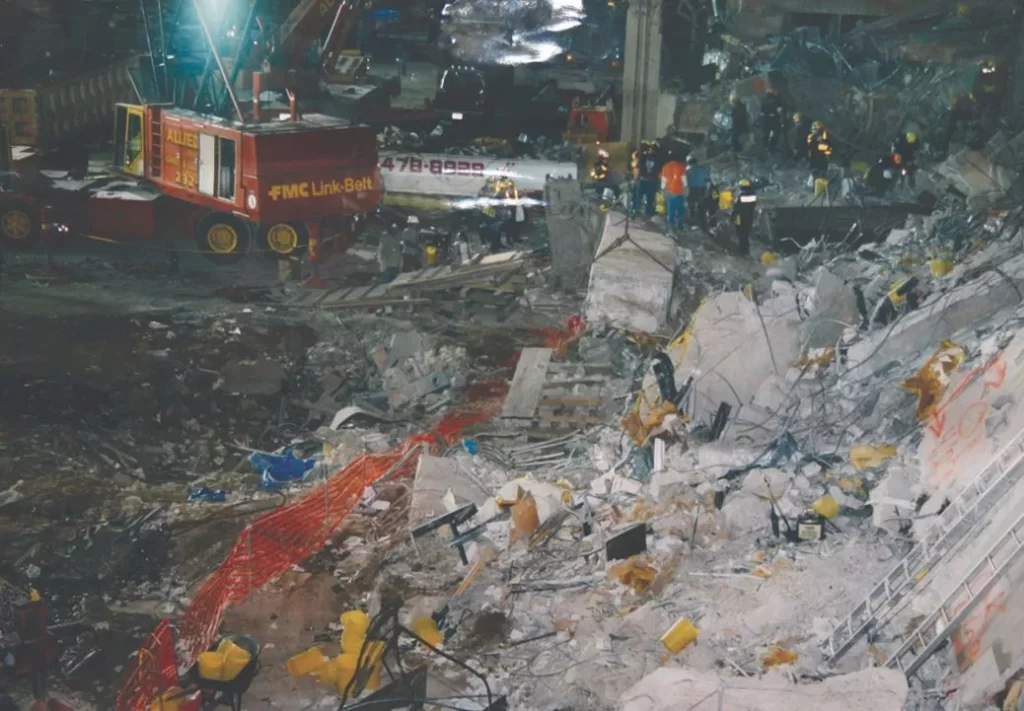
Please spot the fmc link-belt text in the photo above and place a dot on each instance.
(314, 189)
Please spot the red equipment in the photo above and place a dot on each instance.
(286, 183)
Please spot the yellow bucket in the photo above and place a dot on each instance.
(306, 663)
(725, 200)
(211, 666)
(679, 635)
(431, 254)
(826, 506)
(940, 267)
(354, 624)
(235, 659)
(170, 700)
(820, 186)
(426, 629)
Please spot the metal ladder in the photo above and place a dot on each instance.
(1002, 472)
(927, 637)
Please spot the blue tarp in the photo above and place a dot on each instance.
(276, 470)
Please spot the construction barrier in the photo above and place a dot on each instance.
(152, 671)
(282, 537)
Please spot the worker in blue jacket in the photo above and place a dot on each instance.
(698, 178)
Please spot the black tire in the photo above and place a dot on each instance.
(223, 239)
(19, 225)
(283, 239)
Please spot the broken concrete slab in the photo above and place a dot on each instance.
(867, 690)
(574, 226)
(734, 344)
(404, 344)
(745, 513)
(974, 174)
(893, 500)
(793, 227)
(768, 484)
(962, 308)
(253, 377)
(631, 278)
(832, 306)
(435, 478)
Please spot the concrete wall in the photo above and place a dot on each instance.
(980, 414)
(641, 88)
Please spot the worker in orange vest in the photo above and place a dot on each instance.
(673, 183)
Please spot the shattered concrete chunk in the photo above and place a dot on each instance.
(832, 306)
(435, 478)
(962, 308)
(745, 513)
(631, 277)
(767, 483)
(734, 345)
(259, 377)
(974, 174)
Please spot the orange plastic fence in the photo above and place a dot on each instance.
(560, 338)
(152, 672)
(278, 539)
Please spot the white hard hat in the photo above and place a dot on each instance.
(413, 220)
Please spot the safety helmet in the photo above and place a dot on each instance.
(734, 98)
(817, 126)
(746, 183)
(988, 66)
(602, 153)
(897, 158)
(797, 118)
(413, 220)
(911, 137)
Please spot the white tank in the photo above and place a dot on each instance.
(464, 176)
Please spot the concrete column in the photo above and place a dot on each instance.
(641, 81)
(1014, 110)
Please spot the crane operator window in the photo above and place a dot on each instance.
(226, 168)
(134, 139)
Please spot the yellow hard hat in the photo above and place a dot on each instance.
(745, 183)
(911, 137)
(817, 126)
(34, 596)
(797, 117)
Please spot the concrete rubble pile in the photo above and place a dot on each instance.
(689, 470)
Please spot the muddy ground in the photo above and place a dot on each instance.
(120, 388)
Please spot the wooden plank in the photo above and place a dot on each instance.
(527, 383)
(570, 402)
(572, 417)
(596, 380)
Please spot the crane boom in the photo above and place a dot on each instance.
(305, 24)
(344, 20)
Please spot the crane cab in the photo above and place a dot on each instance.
(280, 181)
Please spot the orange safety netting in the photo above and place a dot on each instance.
(559, 339)
(152, 671)
(284, 536)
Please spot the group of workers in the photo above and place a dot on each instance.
(686, 186)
